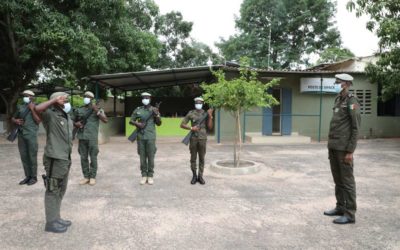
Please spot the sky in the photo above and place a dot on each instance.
(213, 19)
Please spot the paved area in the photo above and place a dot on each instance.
(279, 208)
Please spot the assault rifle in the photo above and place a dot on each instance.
(186, 140)
(134, 134)
(14, 133)
(83, 120)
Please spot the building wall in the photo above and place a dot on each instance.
(306, 110)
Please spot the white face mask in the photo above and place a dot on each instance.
(198, 106)
(67, 107)
(86, 100)
(145, 101)
(26, 99)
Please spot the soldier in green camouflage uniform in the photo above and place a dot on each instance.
(198, 141)
(27, 137)
(146, 139)
(56, 157)
(343, 133)
(87, 120)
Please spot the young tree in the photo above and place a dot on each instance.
(238, 95)
(385, 22)
(285, 31)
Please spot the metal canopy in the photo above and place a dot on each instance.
(181, 76)
(155, 79)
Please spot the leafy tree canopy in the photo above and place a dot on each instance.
(298, 29)
(385, 21)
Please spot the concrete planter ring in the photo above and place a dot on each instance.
(226, 167)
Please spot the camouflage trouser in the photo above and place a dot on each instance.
(345, 185)
(197, 147)
(57, 186)
(86, 149)
(147, 151)
(28, 149)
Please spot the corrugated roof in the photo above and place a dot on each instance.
(181, 76)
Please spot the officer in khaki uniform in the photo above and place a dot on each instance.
(56, 157)
(28, 120)
(343, 133)
(146, 139)
(198, 141)
(87, 120)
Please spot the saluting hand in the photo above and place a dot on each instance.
(210, 112)
(61, 99)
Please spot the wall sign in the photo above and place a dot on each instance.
(313, 85)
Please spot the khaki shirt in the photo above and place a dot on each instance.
(58, 127)
(30, 127)
(345, 124)
(90, 131)
(194, 116)
(140, 114)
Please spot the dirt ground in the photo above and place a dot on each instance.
(278, 208)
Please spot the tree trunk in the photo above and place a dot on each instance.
(11, 106)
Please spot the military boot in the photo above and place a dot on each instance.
(32, 181)
(63, 222)
(194, 178)
(24, 181)
(200, 179)
(55, 227)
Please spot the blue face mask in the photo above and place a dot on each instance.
(338, 88)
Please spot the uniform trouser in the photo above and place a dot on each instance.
(345, 185)
(57, 186)
(197, 147)
(28, 148)
(86, 149)
(146, 150)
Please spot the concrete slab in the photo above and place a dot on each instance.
(278, 208)
(258, 138)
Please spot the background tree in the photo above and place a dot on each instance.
(298, 29)
(238, 95)
(385, 21)
(335, 54)
(75, 38)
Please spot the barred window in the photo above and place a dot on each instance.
(364, 96)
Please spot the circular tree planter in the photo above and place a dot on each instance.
(226, 167)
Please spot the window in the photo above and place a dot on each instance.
(364, 97)
(390, 107)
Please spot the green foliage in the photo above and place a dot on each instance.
(335, 54)
(385, 22)
(239, 94)
(298, 28)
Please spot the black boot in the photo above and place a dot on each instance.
(194, 179)
(200, 179)
(32, 180)
(66, 223)
(24, 181)
(55, 227)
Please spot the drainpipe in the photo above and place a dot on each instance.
(320, 111)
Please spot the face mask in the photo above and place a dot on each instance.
(67, 107)
(338, 88)
(145, 101)
(198, 106)
(26, 99)
(86, 100)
